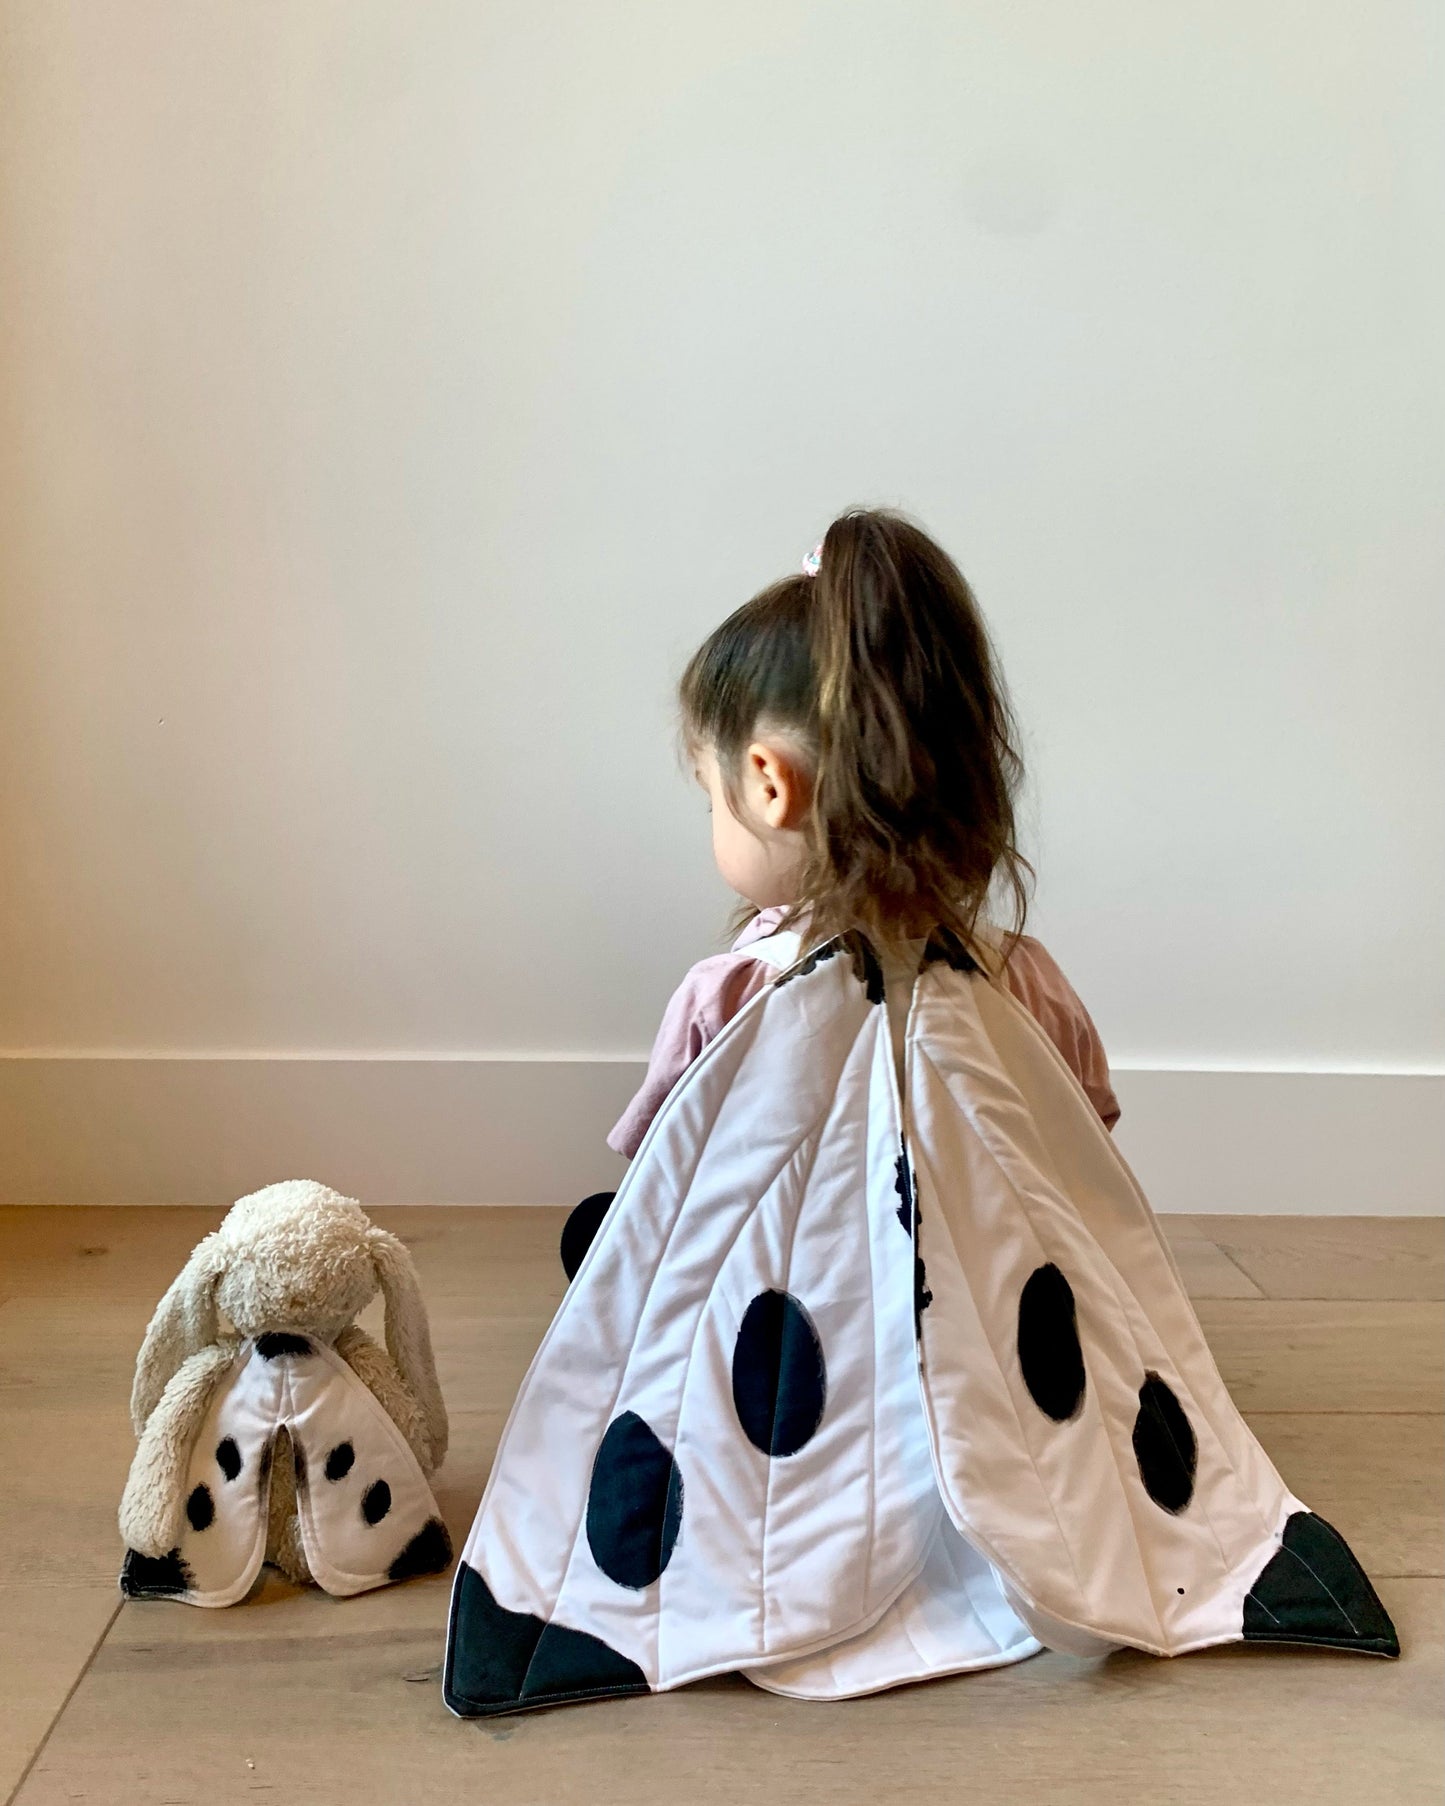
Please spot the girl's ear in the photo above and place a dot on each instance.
(408, 1340)
(778, 783)
(184, 1323)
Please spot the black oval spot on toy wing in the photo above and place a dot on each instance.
(339, 1461)
(634, 1503)
(376, 1501)
(580, 1230)
(200, 1508)
(228, 1457)
(1164, 1446)
(1049, 1351)
(780, 1383)
(277, 1342)
(428, 1552)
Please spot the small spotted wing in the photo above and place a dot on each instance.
(366, 1512)
(227, 1488)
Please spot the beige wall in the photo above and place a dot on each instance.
(393, 395)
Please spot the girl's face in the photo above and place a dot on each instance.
(759, 849)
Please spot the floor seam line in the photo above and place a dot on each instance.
(64, 1705)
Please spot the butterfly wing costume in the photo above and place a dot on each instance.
(856, 1387)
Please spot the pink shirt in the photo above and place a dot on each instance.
(715, 990)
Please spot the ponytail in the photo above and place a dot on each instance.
(880, 664)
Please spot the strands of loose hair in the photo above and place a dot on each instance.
(881, 670)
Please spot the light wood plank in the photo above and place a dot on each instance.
(1331, 1355)
(1379, 1480)
(115, 1253)
(308, 1687)
(1206, 1269)
(1335, 1257)
(47, 1634)
(334, 1703)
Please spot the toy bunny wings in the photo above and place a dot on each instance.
(852, 1390)
(295, 1440)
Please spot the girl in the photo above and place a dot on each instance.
(851, 730)
(877, 1367)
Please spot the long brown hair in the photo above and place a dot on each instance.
(880, 667)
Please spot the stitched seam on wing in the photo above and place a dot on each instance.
(997, 1360)
(1326, 1590)
(1115, 1282)
(1102, 1136)
(873, 1292)
(812, 1145)
(580, 1532)
(746, 1219)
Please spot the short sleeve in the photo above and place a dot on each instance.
(1034, 978)
(704, 1003)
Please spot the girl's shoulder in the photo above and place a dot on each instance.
(1031, 974)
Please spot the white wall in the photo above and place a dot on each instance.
(391, 397)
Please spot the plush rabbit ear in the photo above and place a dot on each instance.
(408, 1339)
(184, 1323)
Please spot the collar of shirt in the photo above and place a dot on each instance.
(764, 923)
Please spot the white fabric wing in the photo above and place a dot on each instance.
(845, 1395)
(718, 1458)
(1085, 1441)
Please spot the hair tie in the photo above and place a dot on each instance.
(813, 562)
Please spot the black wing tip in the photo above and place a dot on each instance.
(1313, 1591)
(499, 1661)
(154, 1576)
(428, 1552)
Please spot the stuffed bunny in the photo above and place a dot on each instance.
(290, 1437)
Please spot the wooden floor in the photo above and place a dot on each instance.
(1328, 1331)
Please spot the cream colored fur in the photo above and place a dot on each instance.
(295, 1256)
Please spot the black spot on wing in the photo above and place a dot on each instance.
(922, 1297)
(903, 1185)
(278, 1342)
(200, 1508)
(1312, 1590)
(945, 948)
(339, 1461)
(780, 1381)
(499, 1661)
(634, 1503)
(428, 1552)
(376, 1501)
(1164, 1446)
(228, 1457)
(580, 1229)
(908, 1216)
(154, 1576)
(1049, 1351)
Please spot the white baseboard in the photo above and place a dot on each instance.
(159, 1130)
